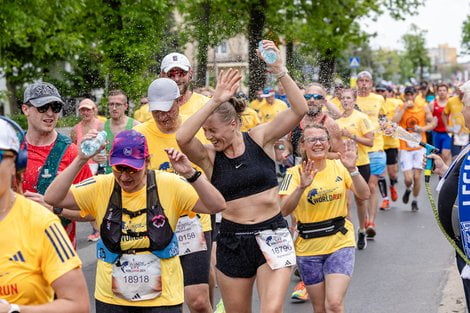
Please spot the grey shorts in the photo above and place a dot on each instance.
(313, 269)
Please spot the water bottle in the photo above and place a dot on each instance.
(269, 55)
(90, 146)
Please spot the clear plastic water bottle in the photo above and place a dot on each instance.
(90, 146)
(269, 55)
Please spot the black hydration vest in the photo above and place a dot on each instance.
(158, 231)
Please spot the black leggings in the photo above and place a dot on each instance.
(102, 307)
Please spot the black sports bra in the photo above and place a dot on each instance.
(252, 172)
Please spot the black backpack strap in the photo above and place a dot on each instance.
(111, 226)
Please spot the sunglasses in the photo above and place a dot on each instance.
(55, 106)
(315, 96)
(5, 154)
(122, 168)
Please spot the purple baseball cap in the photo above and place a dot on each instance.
(130, 149)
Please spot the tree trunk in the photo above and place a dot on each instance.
(12, 87)
(290, 63)
(203, 45)
(257, 68)
(327, 69)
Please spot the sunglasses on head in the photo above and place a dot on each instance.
(315, 96)
(55, 106)
(122, 168)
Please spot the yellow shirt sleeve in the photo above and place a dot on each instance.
(59, 255)
(290, 181)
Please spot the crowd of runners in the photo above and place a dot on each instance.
(199, 188)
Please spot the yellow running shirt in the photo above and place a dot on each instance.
(454, 109)
(389, 110)
(256, 104)
(324, 199)
(249, 119)
(194, 103)
(267, 112)
(35, 251)
(358, 124)
(177, 198)
(372, 105)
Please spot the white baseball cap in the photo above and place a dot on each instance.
(8, 137)
(173, 60)
(162, 93)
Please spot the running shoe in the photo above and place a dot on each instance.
(385, 205)
(361, 240)
(393, 193)
(414, 206)
(370, 230)
(219, 308)
(406, 196)
(94, 237)
(300, 293)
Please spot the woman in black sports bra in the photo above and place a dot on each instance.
(254, 241)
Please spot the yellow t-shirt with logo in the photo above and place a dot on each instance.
(372, 105)
(324, 199)
(143, 114)
(35, 251)
(389, 110)
(256, 104)
(250, 119)
(454, 109)
(157, 142)
(177, 198)
(358, 124)
(267, 112)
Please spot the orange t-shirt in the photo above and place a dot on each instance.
(415, 116)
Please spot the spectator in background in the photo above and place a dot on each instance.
(271, 107)
(456, 126)
(143, 114)
(249, 116)
(258, 102)
(281, 95)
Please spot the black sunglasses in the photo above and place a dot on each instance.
(315, 96)
(55, 106)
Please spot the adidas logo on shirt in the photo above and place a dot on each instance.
(338, 179)
(18, 257)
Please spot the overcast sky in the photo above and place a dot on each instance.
(443, 20)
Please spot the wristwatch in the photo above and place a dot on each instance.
(57, 211)
(14, 308)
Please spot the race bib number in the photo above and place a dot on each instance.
(418, 138)
(277, 247)
(137, 277)
(190, 235)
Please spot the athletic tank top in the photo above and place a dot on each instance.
(250, 173)
(437, 112)
(80, 131)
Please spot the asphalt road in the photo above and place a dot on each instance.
(403, 270)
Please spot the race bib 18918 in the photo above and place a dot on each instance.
(137, 277)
